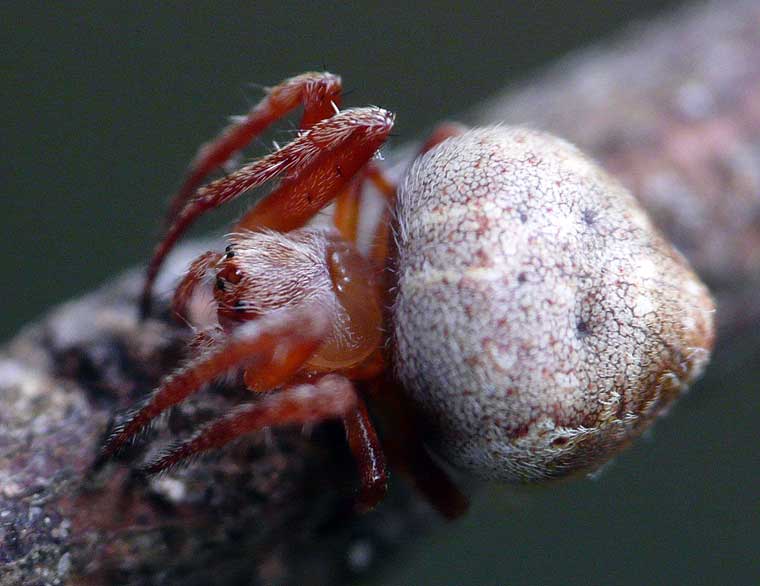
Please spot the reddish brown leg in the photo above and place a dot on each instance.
(195, 275)
(204, 340)
(347, 204)
(353, 138)
(407, 452)
(346, 220)
(368, 453)
(360, 433)
(277, 344)
(317, 92)
(380, 240)
(440, 133)
(318, 163)
(330, 397)
(381, 182)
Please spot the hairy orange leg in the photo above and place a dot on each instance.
(313, 186)
(277, 344)
(204, 340)
(195, 275)
(317, 164)
(315, 91)
(330, 397)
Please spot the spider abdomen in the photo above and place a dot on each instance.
(540, 320)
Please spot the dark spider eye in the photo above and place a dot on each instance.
(219, 284)
(230, 254)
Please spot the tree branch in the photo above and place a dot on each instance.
(672, 108)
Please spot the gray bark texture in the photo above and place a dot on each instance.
(672, 108)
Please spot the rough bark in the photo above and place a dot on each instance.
(673, 108)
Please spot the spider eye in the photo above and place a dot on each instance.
(228, 273)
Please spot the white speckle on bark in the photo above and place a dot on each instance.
(360, 555)
(174, 490)
(64, 565)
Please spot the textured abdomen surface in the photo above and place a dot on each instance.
(540, 321)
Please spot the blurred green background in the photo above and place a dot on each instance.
(105, 103)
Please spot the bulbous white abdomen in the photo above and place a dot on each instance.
(540, 321)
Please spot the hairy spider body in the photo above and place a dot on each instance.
(525, 322)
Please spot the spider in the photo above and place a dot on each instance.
(516, 312)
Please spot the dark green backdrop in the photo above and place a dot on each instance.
(103, 106)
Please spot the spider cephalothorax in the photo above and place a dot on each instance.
(527, 322)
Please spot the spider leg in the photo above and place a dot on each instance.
(315, 91)
(346, 218)
(406, 450)
(368, 453)
(195, 275)
(319, 162)
(354, 137)
(361, 434)
(380, 239)
(276, 344)
(329, 397)
(440, 133)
